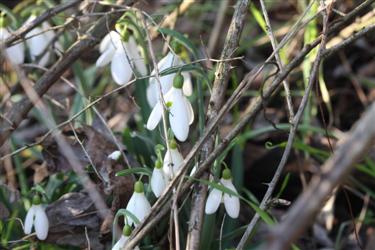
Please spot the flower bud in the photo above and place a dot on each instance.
(138, 187)
(178, 81)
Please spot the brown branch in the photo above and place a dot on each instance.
(215, 104)
(21, 108)
(22, 31)
(293, 130)
(162, 205)
(352, 148)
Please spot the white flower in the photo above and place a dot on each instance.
(117, 51)
(38, 39)
(172, 161)
(166, 81)
(120, 244)
(15, 53)
(37, 217)
(215, 197)
(138, 204)
(115, 155)
(181, 114)
(158, 179)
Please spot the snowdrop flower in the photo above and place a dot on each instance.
(119, 50)
(231, 202)
(158, 179)
(15, 53)
(121, 243)
(115, 155)
(172, 160)
(38, 39)
(181, 114)
(166, 81)
(138, 204)
(36, 216)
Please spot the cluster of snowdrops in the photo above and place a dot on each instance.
(167, 95)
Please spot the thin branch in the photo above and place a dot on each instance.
(215, 104)
(293, 129)
(21, 108)
(335, 170)
(21, 32)
(162, 206)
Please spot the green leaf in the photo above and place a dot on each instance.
(130, 171)
(181, 38)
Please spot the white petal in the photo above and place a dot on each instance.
(15, 53)
(142, 206)
(155, 116)
(120, 243)
(120, 67)
(109, 41)
(29, 220)
(36, 41)
(158, 181)
(179, 115)
(213, 201)
(170, 168)
(105, 57)
(187, 88)
(152, 93)
(44, 60)
(41, 223)
(190, 111)
(48, 32)
(131, 207)
(115, 155)
(231, 202)
(136, 56)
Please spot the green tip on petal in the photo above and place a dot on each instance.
(127, 230)
(36, 200)
(227, 174)
(178, 81)
(3, 20)
(158, 164)
(138, 187)
(173, 144)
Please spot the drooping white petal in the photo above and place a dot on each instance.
(105, 57)
(41, 223)
(231, 202)
(179, 115)
(213, 201)
(187, 88)
(48, 32)
(120, 67)
(136, 57)
(115, 155)
(44, 60)
(109, 41)
(155, 116)
(36, 41)
(15, 53)
(29, 220)
(158, 181)
(131, 207)
(166, 81)
(120, 243)
(139, 206)
(170, 168)
(190, 111)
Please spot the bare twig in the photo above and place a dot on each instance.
(162, 206)
(334, 172)
(289, 145)
(21, 32)
(215, 104)
(21, 108)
